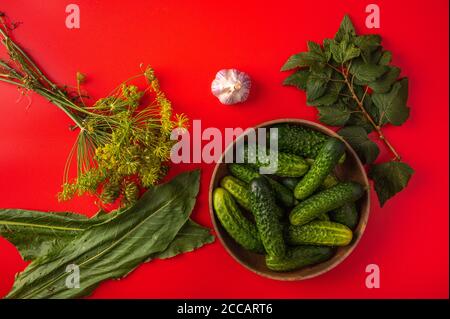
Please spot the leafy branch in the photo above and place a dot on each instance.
(350, 81)
(360, 105)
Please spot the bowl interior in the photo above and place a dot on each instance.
(351, 170)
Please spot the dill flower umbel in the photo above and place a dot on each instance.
(125, 140)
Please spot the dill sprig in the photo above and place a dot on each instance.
(121, 144)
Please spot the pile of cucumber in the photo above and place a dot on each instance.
(297, 216)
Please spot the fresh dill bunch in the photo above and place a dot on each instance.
(119, 139)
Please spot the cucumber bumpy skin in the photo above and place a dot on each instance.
(299, 140)
(322, 233)
(323, 165)
(346, 215)
(238, 189)
(325, 201)
(288, 165)
(246, 173)
(264, 210)
(298, 257)
(242, 230)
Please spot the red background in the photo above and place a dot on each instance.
(187, 42)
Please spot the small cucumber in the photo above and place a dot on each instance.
(265, 210)
(298, 257)
(246, 173)
(325, 201)
(324, 163)
(299, 140)
(346, 215)
(238, 189)
(329, 181)
(287, 164)
(243, 171)
(322, 233)
(242, 230)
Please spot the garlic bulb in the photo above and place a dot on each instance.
(231, 86)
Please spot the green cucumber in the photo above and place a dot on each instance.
(238, 189)
(299, 140)
(265, 211)
(346, 215)
(325, 201)
(246, 173)
(329, 181)
(287, 164)
(322, 233)
(242, 230)
(243, 171)
(324, 163)
(298, 257)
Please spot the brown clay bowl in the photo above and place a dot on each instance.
(351, 170)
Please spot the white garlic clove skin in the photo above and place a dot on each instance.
(231, 86)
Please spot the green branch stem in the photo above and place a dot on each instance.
(377, 127)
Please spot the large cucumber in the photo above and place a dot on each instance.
(246, 173)
(325, 201)
(242, 230)
(324, 163)
(265, 210)
(287, 164)
(346, 215)
(238, 189)
(323, 233)
(298, 257)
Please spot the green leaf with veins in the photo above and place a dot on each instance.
(316, 53)
(190, 237)
(385, 58)
(392, 105)
(313, 59)
(357, 137)
(358, 119)
(296, 61)
(113, 248)
(390, 178)
(343, 51)
(376, 56)
(365, 72)
(346, 29)
(316, 85)
(334, 115)
(36, 233)
(326, 48)
(367, 44)
(298, 79)
(384, 83)
(330, 96)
